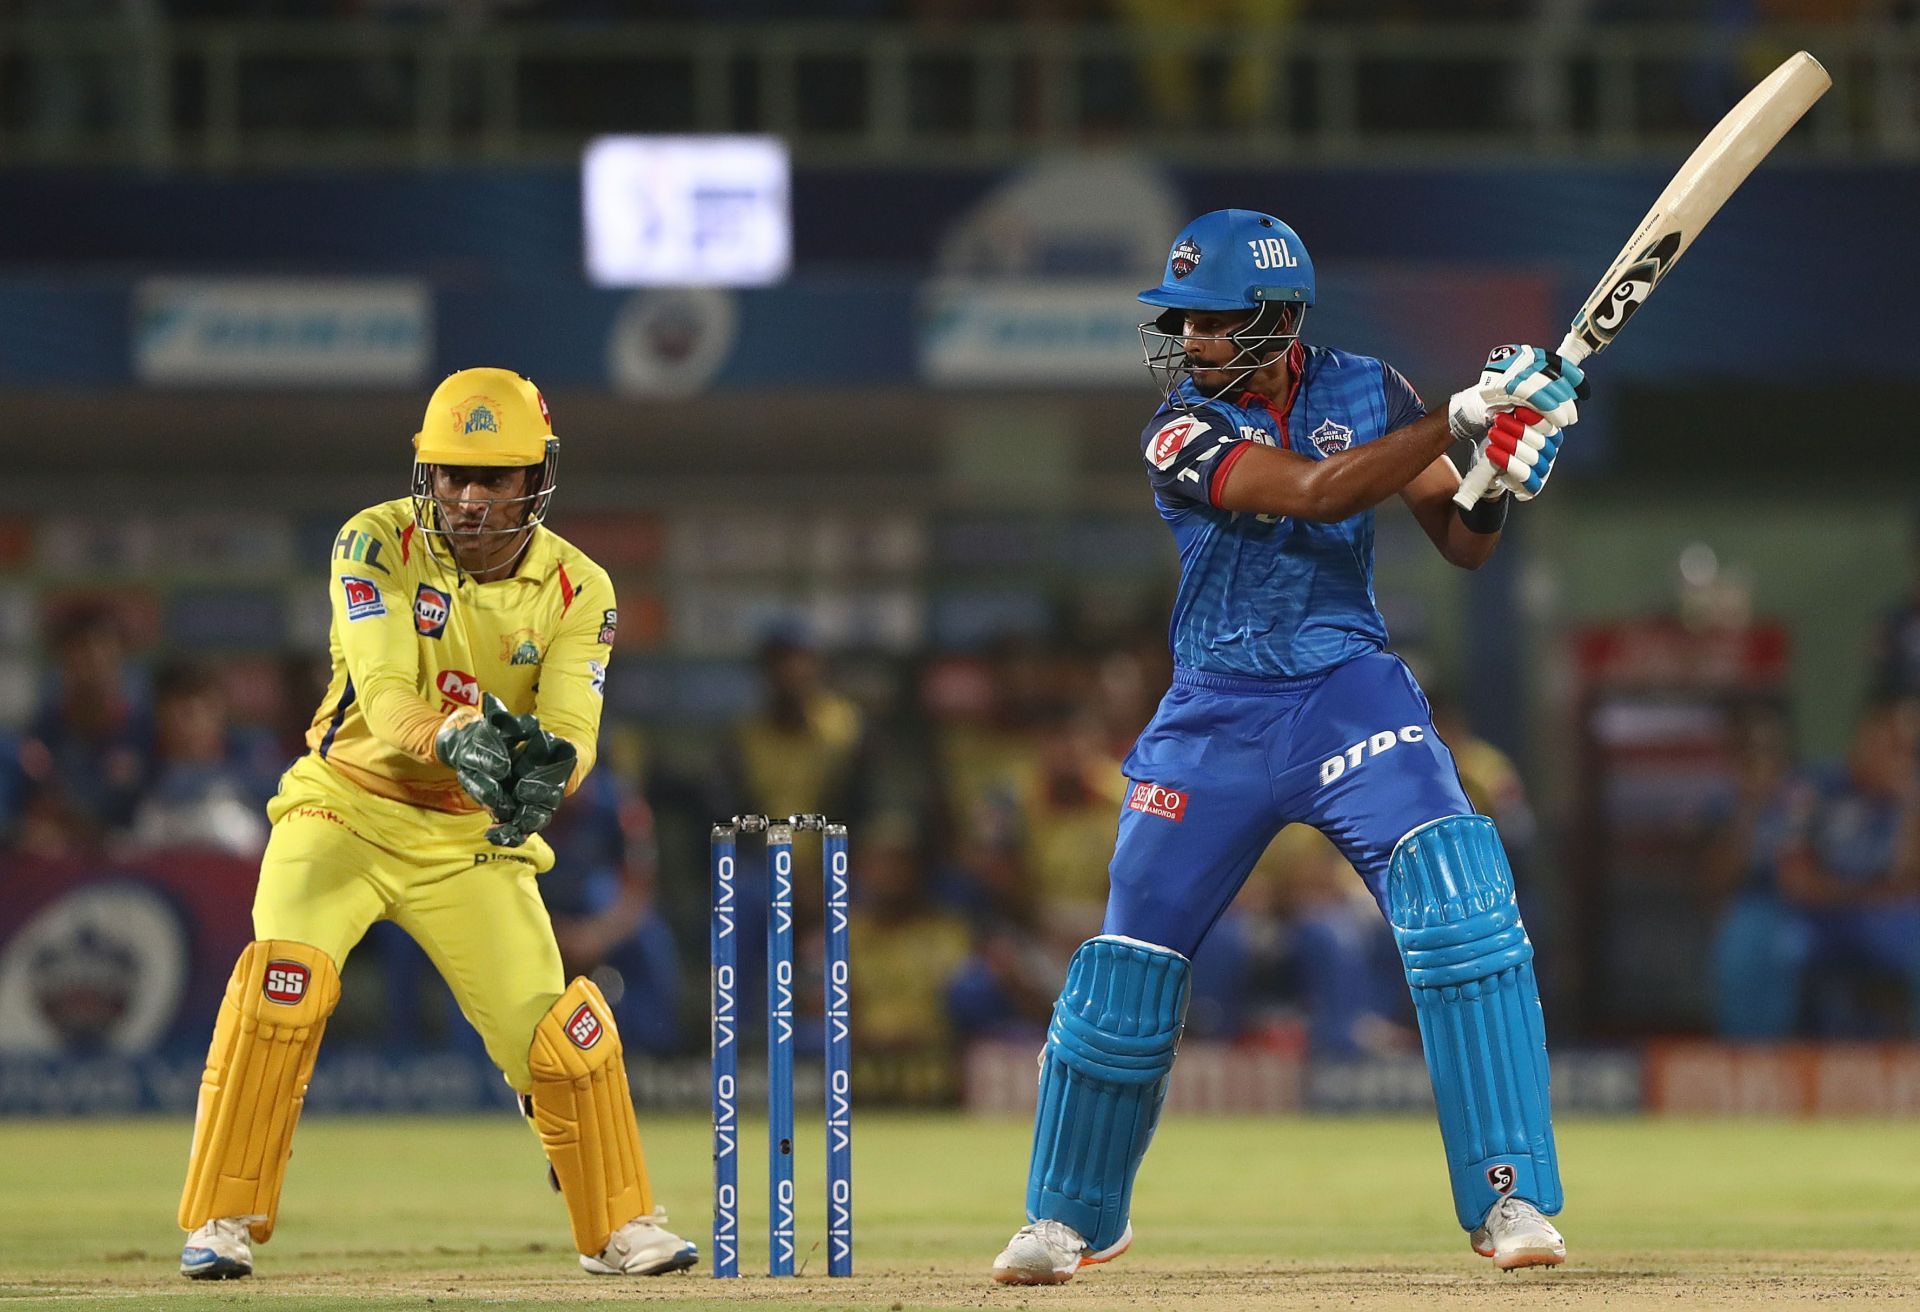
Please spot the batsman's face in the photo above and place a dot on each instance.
(481, 508)
(1207, 339)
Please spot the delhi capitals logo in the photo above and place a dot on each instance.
(1331, 437)
(1186, 257)
(480, 420)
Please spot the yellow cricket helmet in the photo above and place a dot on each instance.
(487, 417)
(484, 417)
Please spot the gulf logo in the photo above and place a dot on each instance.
(430, 610)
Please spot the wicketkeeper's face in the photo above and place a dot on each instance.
(482, 508)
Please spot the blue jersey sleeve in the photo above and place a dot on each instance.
(1188, 454)
(1403, 403)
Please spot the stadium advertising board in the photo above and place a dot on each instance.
(319, 332)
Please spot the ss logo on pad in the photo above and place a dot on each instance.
(286, 982)
(583, 1027)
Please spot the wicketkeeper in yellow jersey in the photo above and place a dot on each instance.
(470, 648)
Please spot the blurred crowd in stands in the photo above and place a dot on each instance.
(982, 804)
(1156, 65)
(1816, 866)
(982, 810)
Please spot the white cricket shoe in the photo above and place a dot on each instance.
(1048, 1253)
(1514, 1234)
(643, 1247)
(222, 1249)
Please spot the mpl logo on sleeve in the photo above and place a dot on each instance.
(583, 1027)
(1154, 799)
(363, 598)
(458, 687)
(1167, 444)
(430, 610)
(286, 982)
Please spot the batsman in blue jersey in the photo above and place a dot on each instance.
(1267, 460)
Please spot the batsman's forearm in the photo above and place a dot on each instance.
(1465, 546)
(1361, 477)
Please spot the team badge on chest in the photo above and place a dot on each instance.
(1330, 437)
(521, 647)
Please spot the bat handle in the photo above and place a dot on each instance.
(1475, 484)
(1481, 476)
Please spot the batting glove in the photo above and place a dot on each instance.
(1518, 375)
(538, 785)
(1522, 446)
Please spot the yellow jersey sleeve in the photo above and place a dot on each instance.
(573, 678)
(374, 626)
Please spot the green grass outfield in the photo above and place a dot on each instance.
(1231, 1214)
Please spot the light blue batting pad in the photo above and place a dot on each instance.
(1470, 966)
(1103, 1077)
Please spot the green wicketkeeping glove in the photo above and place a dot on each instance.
(538, 784)
(481, 753)
(513, 729)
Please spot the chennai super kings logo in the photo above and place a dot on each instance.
(521, 647)
(480, 418)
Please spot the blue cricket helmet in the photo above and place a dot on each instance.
(1223, 261)
(1234, 260)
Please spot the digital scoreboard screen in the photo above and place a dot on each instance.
(682, 211)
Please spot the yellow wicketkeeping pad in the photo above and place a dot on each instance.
(258, 1066)
(584, 1114)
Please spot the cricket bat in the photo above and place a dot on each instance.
(1717, 166)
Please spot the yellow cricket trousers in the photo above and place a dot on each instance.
(340, 858)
